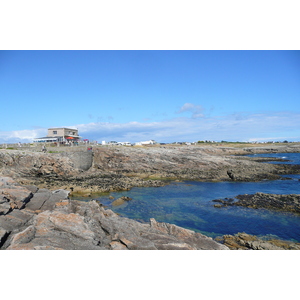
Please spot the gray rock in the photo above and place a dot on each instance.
(54, 198)
(32, 188)
(38, 200)
(46, 200)
(15, 220)
(87, 225)
(4, 205)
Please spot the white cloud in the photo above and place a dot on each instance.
(23, 136)
(235, 127)
(196, 110)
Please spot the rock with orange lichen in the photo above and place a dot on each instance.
(57, 230)
(49, 220)
(12, 195)
(244, 241)
(87, 225)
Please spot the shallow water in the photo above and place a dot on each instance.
(189, 204)
(290, 158)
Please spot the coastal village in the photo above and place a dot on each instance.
(70, 136)
(63, 136)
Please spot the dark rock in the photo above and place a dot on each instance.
(231, 175)
(288, 203)
(3, 236)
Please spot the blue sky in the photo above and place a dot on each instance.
(162, 95)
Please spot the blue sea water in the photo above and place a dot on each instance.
(290, 158)
(189, 204)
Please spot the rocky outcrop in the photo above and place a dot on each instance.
(288, 203)
(88, 184)
(189, 163)
(185, 163)
(49, 220)
(243, 241)
(26, 164)
(108, 169)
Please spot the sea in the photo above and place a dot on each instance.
(189, 204)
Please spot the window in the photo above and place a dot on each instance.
(54, 132)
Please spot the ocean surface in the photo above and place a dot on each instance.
(189, 204)
(290, 158)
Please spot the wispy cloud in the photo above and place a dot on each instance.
(196, 110)
(235, 127)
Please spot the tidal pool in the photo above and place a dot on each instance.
(189, 204)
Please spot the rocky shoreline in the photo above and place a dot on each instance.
(244, 241)
(287, 203)
(121, 168)
(39, 219)
(36, 212)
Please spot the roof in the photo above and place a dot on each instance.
(62, 128)
(47, 137)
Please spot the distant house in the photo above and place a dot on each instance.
(59, 135)
(151, 142)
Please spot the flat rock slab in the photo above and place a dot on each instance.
(46, 200)
(15, 219)
(38, 200)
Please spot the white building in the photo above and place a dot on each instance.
(59, 135)
(151, 142)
